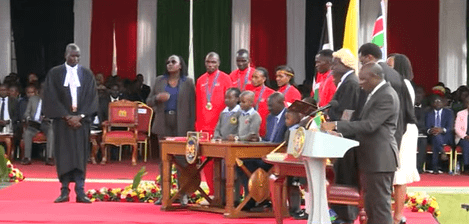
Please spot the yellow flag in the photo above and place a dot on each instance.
(351, 28)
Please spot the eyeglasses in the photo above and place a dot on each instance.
(172, 62)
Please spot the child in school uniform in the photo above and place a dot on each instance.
(228, 120)
(292, 121)
(249, 119)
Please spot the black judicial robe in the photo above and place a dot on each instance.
(71, 146)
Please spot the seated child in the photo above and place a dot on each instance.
(228, 119)
(292, 121)
(249, 119)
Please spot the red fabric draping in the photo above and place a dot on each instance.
(413, 31)
(269, 34)
(121, 15)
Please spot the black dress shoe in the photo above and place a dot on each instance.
(62, 198)
(301, 215)
(83, 199)
(26, 161)
(50, 162)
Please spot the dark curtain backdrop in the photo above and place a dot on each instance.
(107, 15)
(315, 17)
(41, 30)
(413, 31)
(173, 32)
(211, 30)
(268, 34)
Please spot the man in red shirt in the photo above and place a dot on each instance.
(210, 97)
(262, 93)
(326, 87)
(241, 77)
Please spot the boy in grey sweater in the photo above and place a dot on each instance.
(228, 119)
(249, 119)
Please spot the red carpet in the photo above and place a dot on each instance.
(32, 202)
(113, 170)
(441, 180)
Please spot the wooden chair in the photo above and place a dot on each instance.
(345, 195)
(122, 114)
(457, 152)
(448, 151)
(145, 116)
(39, 138)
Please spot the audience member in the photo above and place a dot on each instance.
(462, 134)
(460, 96)
(142, 89)
(241, 77)
(35, 123)
(377, 157)
(420, 111)
(439, 123)
(262, 92)
(8, 111)
(229, 118)
(285, 81)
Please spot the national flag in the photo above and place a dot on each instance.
(315, 122)
(351, 28)
(379, 31)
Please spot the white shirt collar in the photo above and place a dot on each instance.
(377, 87)
(235, 109)
(249, 112)
(344, 77)
(280, 114)
(294, 127)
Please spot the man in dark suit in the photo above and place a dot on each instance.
(377, 154)
(439, 123)
(8, 110)
(142, 89)
(71, 101)
(370, 52)
(276, 120)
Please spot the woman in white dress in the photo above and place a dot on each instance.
(407, 171)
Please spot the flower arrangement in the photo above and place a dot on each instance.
(8, 172)
(139, 191)
(422, 202)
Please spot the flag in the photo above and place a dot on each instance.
(379, 31)
(315, 122)
(351, 28)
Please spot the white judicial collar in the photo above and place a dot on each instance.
(73, 82)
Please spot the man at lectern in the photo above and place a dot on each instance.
(377, 153)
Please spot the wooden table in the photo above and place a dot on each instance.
(229, 152)
(282, 169)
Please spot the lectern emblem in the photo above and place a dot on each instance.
(192, 149)
(298, 142)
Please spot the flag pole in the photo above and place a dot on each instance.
(329, 25)
(385, 29)
(191, 43)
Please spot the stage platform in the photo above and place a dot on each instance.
(31, 201)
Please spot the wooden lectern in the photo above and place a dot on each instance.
(315, 147)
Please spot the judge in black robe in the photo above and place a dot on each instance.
(71, 123)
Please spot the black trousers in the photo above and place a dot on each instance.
(76, 176)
